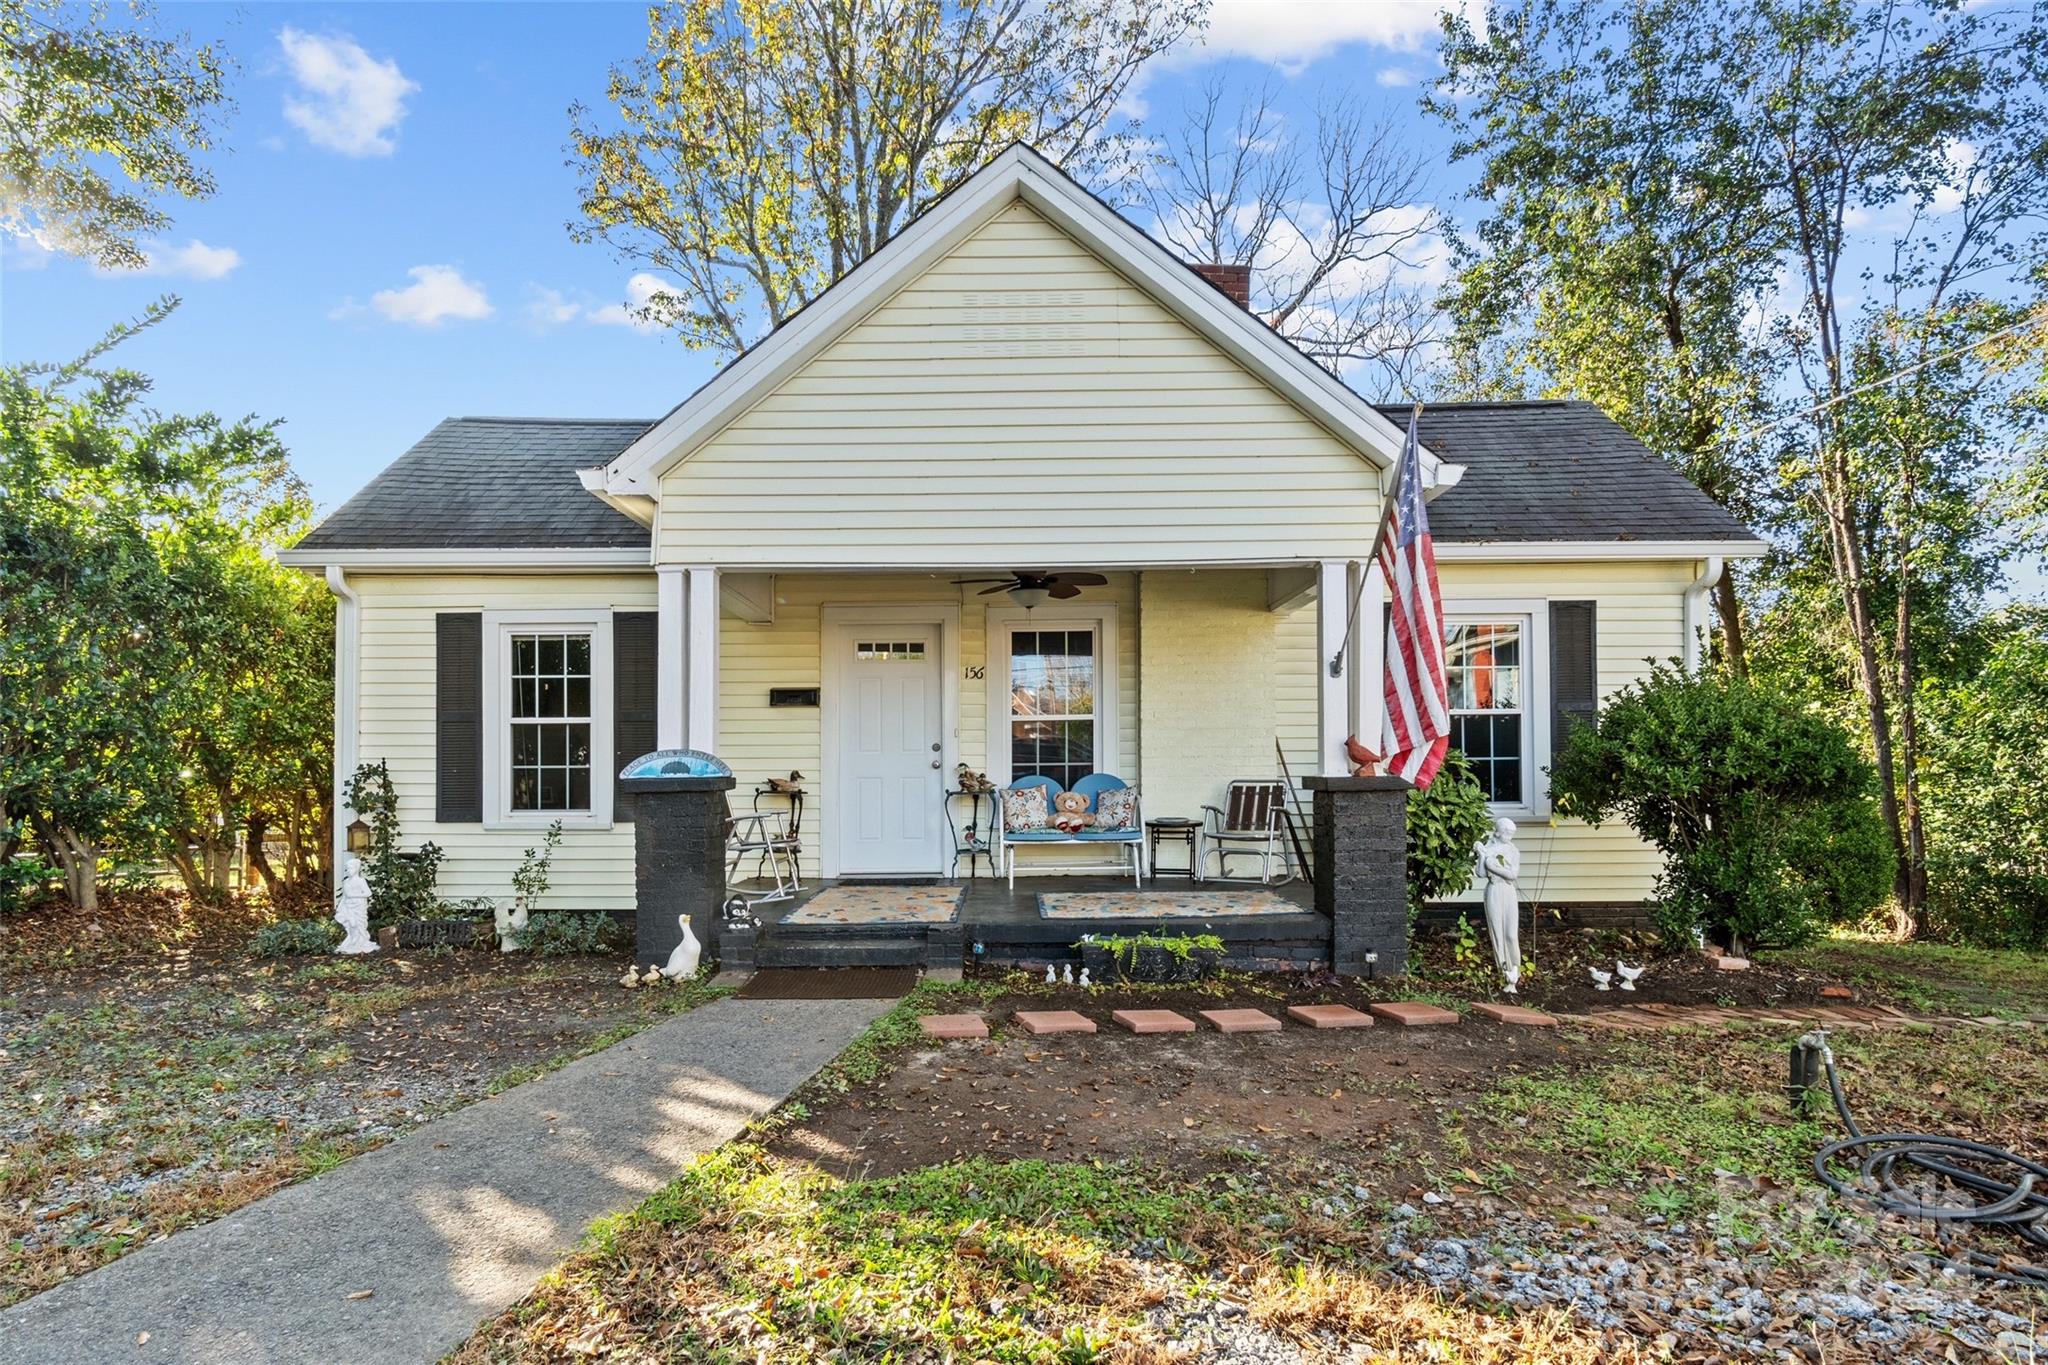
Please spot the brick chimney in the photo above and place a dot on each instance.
(1234, 280)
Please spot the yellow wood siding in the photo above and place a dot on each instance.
(1020, 401)
(593, 869)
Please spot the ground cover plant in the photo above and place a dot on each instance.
(144, 1089)
(1469, 1193)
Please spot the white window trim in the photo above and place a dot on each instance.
(499, 628)
(1534, 615)
(1003, 621)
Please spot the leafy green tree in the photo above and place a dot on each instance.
(1629, 228)
(163, 681)
(1890, 162)
(1986, 787)
(81, 94)
(760, 149)
(1760, 806)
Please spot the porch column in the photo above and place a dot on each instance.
(1368, 665)
(670, 593)
(1333, 694)
(1361, 855)
(701, 707)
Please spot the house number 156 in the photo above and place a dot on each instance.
(976, 672)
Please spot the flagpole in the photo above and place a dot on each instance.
(1379, 539)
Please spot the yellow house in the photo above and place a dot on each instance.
(812, 565)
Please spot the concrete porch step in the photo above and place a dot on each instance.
(842, 952)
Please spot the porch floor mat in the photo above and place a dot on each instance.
(1162, 904)
(878, 904)
(828, 983)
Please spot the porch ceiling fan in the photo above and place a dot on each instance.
(1028, 588)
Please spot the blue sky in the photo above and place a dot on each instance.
(388, 245)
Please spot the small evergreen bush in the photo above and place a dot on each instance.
(295, 938)
(1445, 825)
(1761, 807)
(555, 933)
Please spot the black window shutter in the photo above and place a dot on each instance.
(1574, 670)
(459, 717)
(633, 692)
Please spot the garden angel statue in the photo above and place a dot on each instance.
(352, 912)
(1501, 861)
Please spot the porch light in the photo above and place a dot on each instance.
(358, 837)
(1028, 597)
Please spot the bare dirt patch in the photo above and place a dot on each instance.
(143, 1092)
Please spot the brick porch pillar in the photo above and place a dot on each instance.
(1360, 835)
(678, 861)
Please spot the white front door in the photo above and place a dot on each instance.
(889, 761)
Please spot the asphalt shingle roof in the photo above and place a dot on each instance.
(1535, 471)
(489, 483)
(1560, 471)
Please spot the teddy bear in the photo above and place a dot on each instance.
(1070, 813)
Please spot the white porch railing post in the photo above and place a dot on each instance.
(669, 635)
(1333, 694)
(1369, 669)
(701, 730)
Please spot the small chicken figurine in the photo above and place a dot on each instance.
(1084, 978)
(631, 980)
(653, 977)
(1602, 981)
(1627, 974)
(1052, 978)
(1067, 974)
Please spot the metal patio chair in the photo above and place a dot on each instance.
(1252, 822)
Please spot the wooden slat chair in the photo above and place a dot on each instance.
(1251, 821)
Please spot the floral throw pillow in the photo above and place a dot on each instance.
(1117, 809)
(1024, 809)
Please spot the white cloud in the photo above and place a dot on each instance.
(1961, 157)
(550, 307)
(352, 102)
(436, 294)
(640, 290)
(194, 261)
(1394, 77)
(1293, 33)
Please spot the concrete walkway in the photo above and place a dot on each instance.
(448, 1225)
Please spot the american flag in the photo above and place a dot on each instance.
(1418, 729)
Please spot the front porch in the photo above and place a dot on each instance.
(1000, 925)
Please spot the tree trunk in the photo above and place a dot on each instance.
(80, 859)
(1734, 636)
(258, 860)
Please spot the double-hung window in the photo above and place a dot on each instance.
(547, 715)
(1052, 693)
(1486, 663)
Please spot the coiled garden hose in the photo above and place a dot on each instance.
(1975, 1183)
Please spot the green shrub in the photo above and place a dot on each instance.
(401, 883)
(295, 938)
(557, 933)
(1445, 825)
(1761, 808)
(28, 881)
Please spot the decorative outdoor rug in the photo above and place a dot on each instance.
(1161, 904)
(879, 905)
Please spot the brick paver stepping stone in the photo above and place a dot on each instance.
(1329, 1016)
(1242, 1021)
(1513, 1014)
(947, 1027)
(1412, 1013)
(1054, 1021)
(1730, 964)
(1153, 1021)
(1837, 993)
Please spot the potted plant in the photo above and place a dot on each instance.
(1153, 959)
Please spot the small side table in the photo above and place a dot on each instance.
(977, 840)
(1174, 828)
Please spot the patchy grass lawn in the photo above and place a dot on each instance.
(1470, 1193)
(1936, 977)
(140, 1095)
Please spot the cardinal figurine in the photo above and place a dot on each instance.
(1364, 762)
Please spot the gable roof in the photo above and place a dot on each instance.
(1019, 173)
(1560, 471)
(1545, 472)
(496, 483)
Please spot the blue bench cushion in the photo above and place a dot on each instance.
(1108, 836)
(1035, 836)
